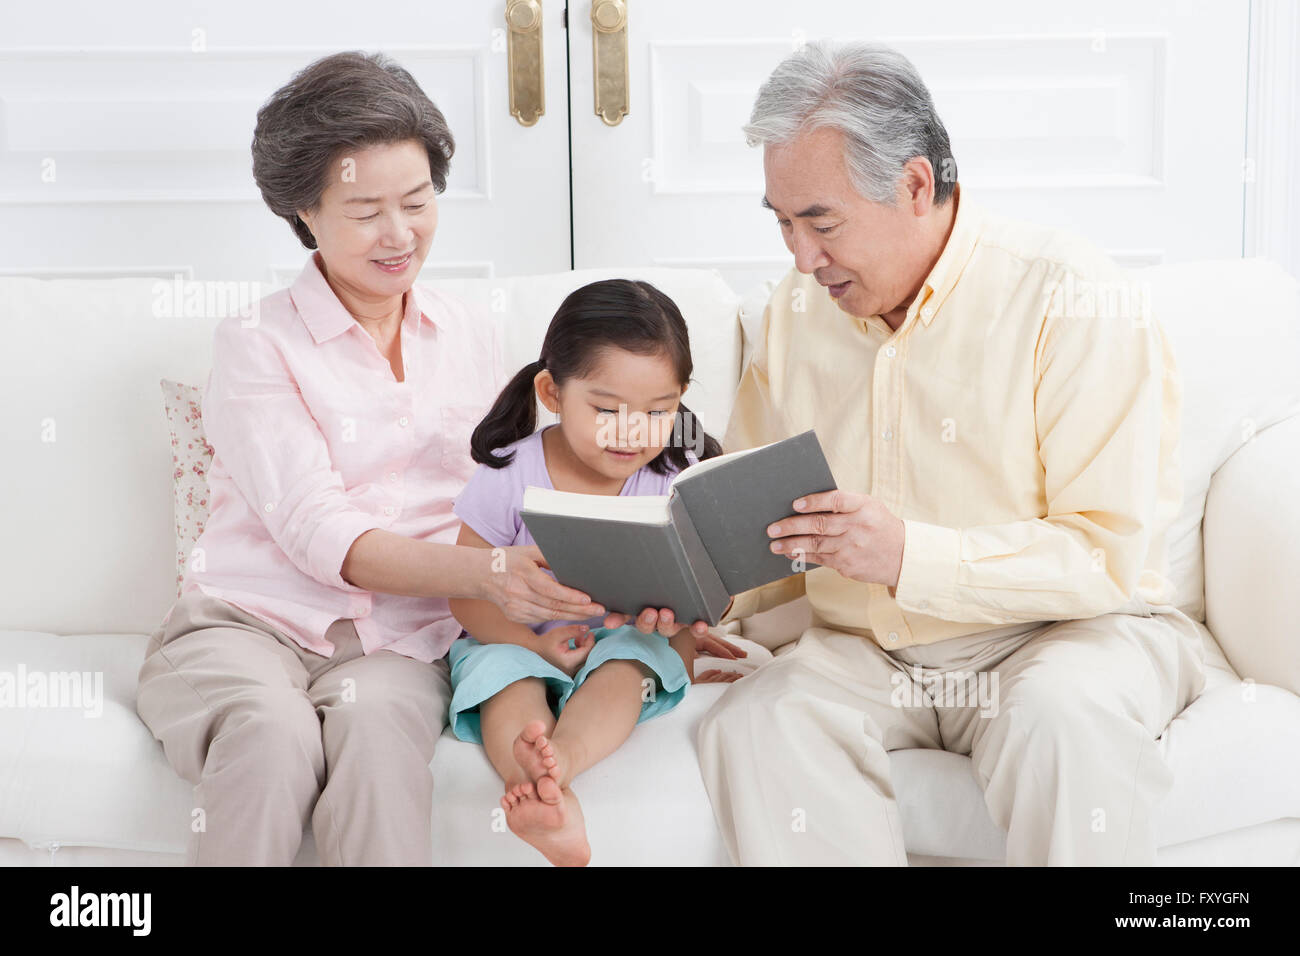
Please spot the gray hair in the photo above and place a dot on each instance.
(874, 96)
(341, 102)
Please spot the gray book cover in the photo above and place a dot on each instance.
(712, 544)
(733, 504)
(628, 566)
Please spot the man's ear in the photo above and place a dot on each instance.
(919, 184)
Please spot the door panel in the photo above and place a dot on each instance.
(144, 121)
(1123, 123)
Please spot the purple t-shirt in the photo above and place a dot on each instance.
(490, 502)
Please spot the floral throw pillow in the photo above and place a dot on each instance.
(191, 458)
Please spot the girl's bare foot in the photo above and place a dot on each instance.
(556, 830)
(543, 759)
(510, 799)
(533, 753)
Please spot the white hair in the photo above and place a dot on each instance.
(874, 96)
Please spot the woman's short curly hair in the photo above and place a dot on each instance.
(341, 102)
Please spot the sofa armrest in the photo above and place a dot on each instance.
(1252, 556)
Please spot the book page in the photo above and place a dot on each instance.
(708, 465)
(637, 509)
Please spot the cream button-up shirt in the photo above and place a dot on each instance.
(1022, 421)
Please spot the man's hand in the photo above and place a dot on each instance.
(553, 647)
(527, 594)
(854, 534)
(662, 622)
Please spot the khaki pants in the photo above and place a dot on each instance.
(272, 736)
(1060, 719)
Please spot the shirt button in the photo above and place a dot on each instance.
(922, 603)
(893, 637)
(403, 421)
(268, 507)
(891, 351)
(887, 434)
(927, 312)
(392, 476)
(358, 611)
(388, 510)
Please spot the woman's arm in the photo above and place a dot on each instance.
(513, 580)
(483, 619)
(391, 563)
(488, 625)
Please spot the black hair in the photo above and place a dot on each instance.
(612, 313)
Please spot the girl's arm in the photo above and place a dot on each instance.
(488, 625)
(483, 619)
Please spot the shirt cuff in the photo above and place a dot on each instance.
(931, 556)
(742, 605)
(330, 544)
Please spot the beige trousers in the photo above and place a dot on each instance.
(272, 736)
(1059, 718)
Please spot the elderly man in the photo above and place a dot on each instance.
(1002, 418)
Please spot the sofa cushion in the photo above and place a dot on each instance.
(1252, 556)
(104, 781)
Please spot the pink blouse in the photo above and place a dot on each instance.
(316, 442)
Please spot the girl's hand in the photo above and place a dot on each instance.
(717, 677)
(526, 594)
(710, 645)
(553, 647)
(662, 622)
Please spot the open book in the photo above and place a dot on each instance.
(689, 550)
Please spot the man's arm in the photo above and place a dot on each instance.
(1108, 407)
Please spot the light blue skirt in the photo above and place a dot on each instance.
(480, 671)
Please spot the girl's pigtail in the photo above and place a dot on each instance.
(513, 416)
(688, 433)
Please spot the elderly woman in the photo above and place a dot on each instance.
(302, 675)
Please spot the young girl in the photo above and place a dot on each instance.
(549, 702)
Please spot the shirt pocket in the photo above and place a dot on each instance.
(458, 424)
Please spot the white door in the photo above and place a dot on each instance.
(125, 131)
(1122, 120)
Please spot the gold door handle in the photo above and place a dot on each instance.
(524, 53)
(609, 59)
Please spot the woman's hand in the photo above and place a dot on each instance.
(526, 594)
(553, 647)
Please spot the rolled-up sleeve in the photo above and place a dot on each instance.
(264, 435)
(1107, 407)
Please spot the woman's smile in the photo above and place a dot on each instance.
(395, 265)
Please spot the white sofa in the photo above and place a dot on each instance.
(88, 571)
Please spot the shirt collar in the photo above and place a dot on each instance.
(325, 316)
(967, 224)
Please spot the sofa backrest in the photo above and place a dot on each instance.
(1235, 328)
(86, 481)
